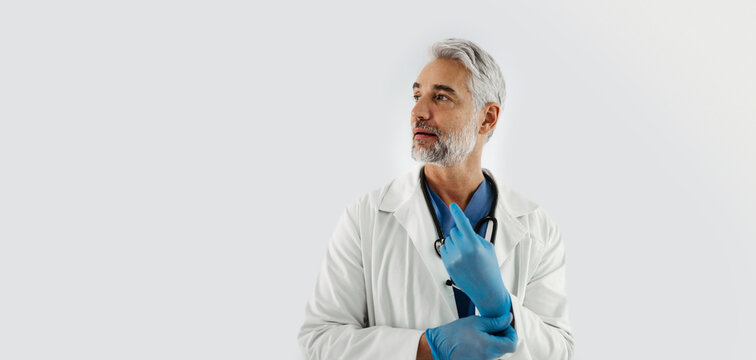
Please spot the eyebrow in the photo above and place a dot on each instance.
(437, 87)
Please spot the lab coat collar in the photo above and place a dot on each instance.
(403, 187)
(404, 198)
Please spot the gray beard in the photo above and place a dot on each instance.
(448, 149)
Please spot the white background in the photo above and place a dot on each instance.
(171, 171)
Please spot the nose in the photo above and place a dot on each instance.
(421, 110)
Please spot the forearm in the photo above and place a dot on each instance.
(541, 313)
(342, 341)
(545, 337)
(496, 304)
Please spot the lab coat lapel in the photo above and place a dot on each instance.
(510, 232)
(510, 205)
(415, 218)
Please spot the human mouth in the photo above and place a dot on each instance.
(422, 134)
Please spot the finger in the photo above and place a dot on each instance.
(505, 342)
(447, 250)
(461, 220)
(511, 334)
(455, 233)
(450, 240)
(509, 340)
(496, 324)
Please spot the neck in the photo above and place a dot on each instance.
(456, 183)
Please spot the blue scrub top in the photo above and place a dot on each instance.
(478, 207)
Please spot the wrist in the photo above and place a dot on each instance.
(495, 306)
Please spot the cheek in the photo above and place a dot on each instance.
(448, 105)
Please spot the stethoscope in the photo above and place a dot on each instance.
(490, 217)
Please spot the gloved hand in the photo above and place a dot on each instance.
(471, 263)
(470, 338)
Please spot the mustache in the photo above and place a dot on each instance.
(424, 126)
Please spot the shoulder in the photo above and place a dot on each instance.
(527, 213)
(542, 227)
(362, 215)
(388, 197)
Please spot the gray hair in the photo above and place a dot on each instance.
(486, 82)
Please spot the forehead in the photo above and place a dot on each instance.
(446, 72)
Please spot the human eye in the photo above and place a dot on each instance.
(441, 97)
(416, 97)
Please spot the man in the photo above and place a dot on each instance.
(393, 287)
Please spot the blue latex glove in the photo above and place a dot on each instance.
(471, 263)
(470, 338)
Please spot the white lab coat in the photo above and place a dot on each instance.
(382, 283)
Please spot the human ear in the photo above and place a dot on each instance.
(490, 117)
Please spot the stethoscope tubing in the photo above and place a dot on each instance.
(490, 217)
